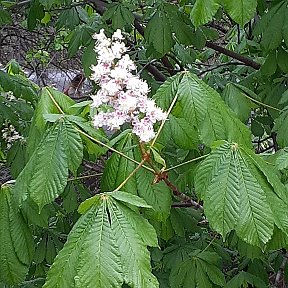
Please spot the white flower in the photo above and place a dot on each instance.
(117, 35)
(124, 94)
(118, 48)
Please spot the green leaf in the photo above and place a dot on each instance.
(180, 26)
(282, 159)
(118, 168)
(157, 195)
(272, 26)
(19, 85)
(236, 99)
(129, 199)
(183, 133)
(5, 17)
(45, 175)
(270, 65)
(36, 12)
(16, 240)
(74, 146)
(201, 270)
(203, 107)
(282, 61)
(203, 11)
(158, 33)
(105, 250)
(245, 278)
(241, 11)
(235, 195)
(46, 105)
(280, 128)
(51, 169)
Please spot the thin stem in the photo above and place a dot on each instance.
(184, 163)
(163, 122)
(96, 140)
(55, 102)
(209, 244)
(261, 103)
(85, 176)
(112, 149)
(130, 175)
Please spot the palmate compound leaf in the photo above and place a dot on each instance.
(16, 240)
(106, 247)
(241, 193)
(201, 270)
(45, 175)
(202, 107)
(118, 168)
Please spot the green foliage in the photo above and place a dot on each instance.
(106, 247)
(16, 242)
(200, 270)
(45, 175)
(204, 205)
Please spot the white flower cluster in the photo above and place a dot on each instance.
(10, 135)
(122, 96)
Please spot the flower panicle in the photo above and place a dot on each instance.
(123, 94)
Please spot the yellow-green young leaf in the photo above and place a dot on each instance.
(241, 11)
(105, 248)
(237, 196)
(17, 245)
(203, 11)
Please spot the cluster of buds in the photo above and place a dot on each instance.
(10, 135)
(123, 96)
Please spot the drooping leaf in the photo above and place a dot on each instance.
(245, 278)
(200, 270)
(203, 11)
(236, 100)
(74, 146)
(158, 33)
(239, 194)
(241, 11)
(202, 107)
(46, 105)
(106, 247)
(17, 246)
(45, 175)
(119, 168)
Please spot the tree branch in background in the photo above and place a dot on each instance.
(247, 61)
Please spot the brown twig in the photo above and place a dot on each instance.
(280, 272)
(247, 61)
